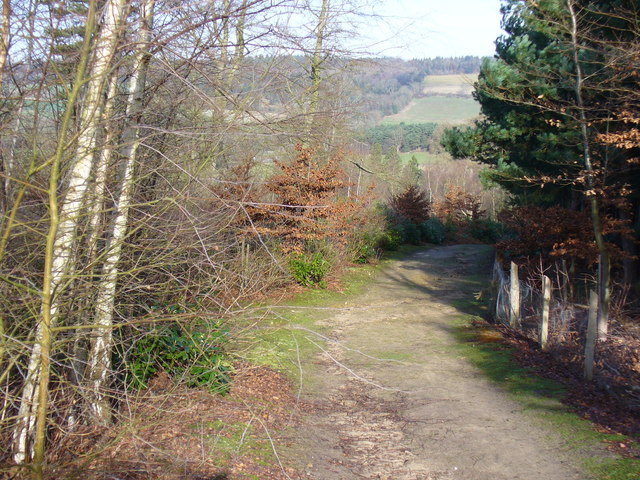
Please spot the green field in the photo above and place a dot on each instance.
(449, 84)
(423, 158)
(437, 109)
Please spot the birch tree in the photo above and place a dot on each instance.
(65, 216)
(100, 362)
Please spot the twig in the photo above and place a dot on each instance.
(337, 342)
(354, 374)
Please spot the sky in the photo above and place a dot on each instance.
(431, 28)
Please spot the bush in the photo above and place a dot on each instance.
(451, 230)
(366, 247)
(410, 233)
(197, 357)
(486, 231)
(433, 231)
(412, 205)
(391, 239)
(309, 270)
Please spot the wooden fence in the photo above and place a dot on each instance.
(512, 298)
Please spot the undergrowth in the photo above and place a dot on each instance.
(541, 398)
(289, 329)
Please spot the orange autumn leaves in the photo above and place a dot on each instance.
(307, 201)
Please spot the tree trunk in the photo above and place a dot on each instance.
(62, 230)
(95, 228)
(604, 276)
(629, 245)
(100, 356)
(316, 63)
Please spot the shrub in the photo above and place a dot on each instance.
(451, 229)
(433, 231)
(309, 270)
(196, 357)
(366, 247)
(486, 231)
(391, 239)
(410, 233)
(364, 253)
(412, 205)
(459, 206)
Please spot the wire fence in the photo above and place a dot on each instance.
(541, 312)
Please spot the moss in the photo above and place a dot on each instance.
(541, 399)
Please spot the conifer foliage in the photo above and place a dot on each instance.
(306, 204)
(412, 204)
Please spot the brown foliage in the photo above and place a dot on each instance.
(627, 139)
(459, 206)
(555, 231)
(558, 233)
(305, 203)
(412, 204)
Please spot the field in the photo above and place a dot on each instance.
(436, 109)
(423, 158)
(449, 84)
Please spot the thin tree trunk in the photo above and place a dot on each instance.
(604, 277)
(4, 38)
(62, 230)
(32, 411)
(316, 62)
(5, 32)
(240, 44)
(100, 357)
(96, 207)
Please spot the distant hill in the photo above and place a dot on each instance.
(457, 85)
(436, 109)
(389, 85)
(411, 116)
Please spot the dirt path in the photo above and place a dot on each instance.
(424, 412)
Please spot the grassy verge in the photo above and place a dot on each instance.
(541, 399)
(289, 330)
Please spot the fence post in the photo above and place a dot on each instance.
(514, 297)
(602, 315)
(544, 321)
(495, 285)
(592, 330)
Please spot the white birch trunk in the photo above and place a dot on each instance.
(514, 297)
(100, 356)
(4, 52)
(107, 40)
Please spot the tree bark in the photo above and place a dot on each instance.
(100, 356)
(62, 229)
(604, 277)
(316, 63)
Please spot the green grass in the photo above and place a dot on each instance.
(227, 440)
(449, 84)
(424, 158)
(436, 109)
(541, 399)
(282, 337)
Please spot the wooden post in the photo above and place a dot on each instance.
(592, 330)
(544, 320)
(514, 297)
(603, 321)
(495, 285)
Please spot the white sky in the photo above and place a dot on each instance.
(431, 28)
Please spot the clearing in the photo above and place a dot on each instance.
(391, 396)
(458, 84)
(436, 109)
